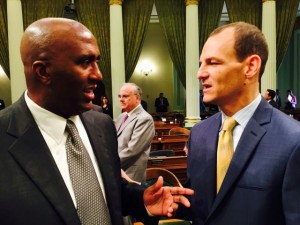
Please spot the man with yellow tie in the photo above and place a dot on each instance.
(243, 162)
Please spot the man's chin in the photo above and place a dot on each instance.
(86, 107)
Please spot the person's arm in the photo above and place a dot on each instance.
(126, 177)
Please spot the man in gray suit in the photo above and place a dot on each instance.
(134, 133)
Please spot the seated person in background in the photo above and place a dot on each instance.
(269, 96)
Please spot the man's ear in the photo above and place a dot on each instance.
(253, 66)
(41, 72)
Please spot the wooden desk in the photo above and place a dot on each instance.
(175, 142)
(162, 128)
(294, 113)
(176, 164)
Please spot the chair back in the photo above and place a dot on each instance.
(162, 152)
(170, 179)
(179, 130)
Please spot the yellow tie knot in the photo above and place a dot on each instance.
(229, 124)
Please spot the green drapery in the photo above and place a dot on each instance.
(171, 14)
(36, 9)
(286, 12)
(94, 14)
(4, 55)
(247, 11)
(136, 18)
(209, 13)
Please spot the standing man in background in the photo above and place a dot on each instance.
(278, 98)
(161, 103)
(135, 131)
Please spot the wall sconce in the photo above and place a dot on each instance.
(146, 69)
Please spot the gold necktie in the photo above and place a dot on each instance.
(225, 150)
(91, 206)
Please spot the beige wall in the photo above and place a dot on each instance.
(155, 52)
(5, 93)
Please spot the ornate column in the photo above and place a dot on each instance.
(192, 63)
(269, 29)
(117, 53)
(15, 31)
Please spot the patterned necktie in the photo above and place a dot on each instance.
(91, 206)
(225, 150)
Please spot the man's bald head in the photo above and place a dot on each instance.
(40, 39)
(60, 59)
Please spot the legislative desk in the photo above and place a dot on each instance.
(176, 164)
(174, 142)
(163, 128)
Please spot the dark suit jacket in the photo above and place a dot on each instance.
(274, 104)
(161, 106)
(262, 185)
(32, 191)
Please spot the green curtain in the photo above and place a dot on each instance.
(247, 11)
(286, 12)
(209, 14)
(94, 14)
(36, 9)
(4, 55)
(171, 14)
(136, 17)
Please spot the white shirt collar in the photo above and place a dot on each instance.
(243, 116)
(48, 122)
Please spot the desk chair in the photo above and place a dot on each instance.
(170, 179)
(162, 152)
(179, 130)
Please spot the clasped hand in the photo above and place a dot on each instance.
(163, 201)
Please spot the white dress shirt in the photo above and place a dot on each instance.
(242, 117)
(52, 128)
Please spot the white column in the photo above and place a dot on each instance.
(192, 63)
(268, 80)
(15, 31)
(117, 53)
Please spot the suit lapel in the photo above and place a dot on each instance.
(32, 154)
(210, 186)
(250, 138)
(132, 117)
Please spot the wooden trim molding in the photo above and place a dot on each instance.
(191, 2)
(116, 2)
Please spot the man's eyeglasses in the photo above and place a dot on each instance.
(125, 96)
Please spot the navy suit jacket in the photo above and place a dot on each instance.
(262, 184)
(32, 190)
